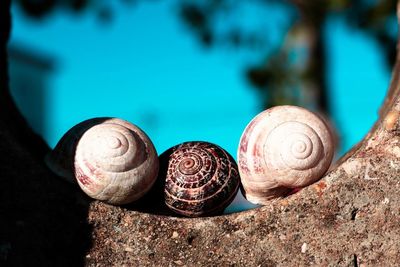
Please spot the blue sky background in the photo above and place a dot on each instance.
(147, 67)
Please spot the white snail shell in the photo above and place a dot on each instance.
(282, 148)
(111, 159)
(61, 159)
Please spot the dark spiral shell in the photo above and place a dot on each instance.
(200, 179)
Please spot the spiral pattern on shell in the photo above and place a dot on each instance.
(61, 159)
(113, 160)
(201, 179)
(282, 148)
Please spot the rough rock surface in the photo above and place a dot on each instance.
(349, 218)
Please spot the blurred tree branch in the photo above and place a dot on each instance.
(295, 73)
(39, 9)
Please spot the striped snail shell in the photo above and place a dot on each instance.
(200, 179)
(111, 159)
(283, 148)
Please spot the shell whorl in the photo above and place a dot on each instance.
(282, 148)
(201, 179)
(113, 160)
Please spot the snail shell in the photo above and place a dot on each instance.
(283, 148)
(111, 159)
(200, 178)
(61, 159)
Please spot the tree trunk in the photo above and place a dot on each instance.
(313, 17)
(4, 35)
(9, 114)
(349, 218)
(41, 221)
(318, 67)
